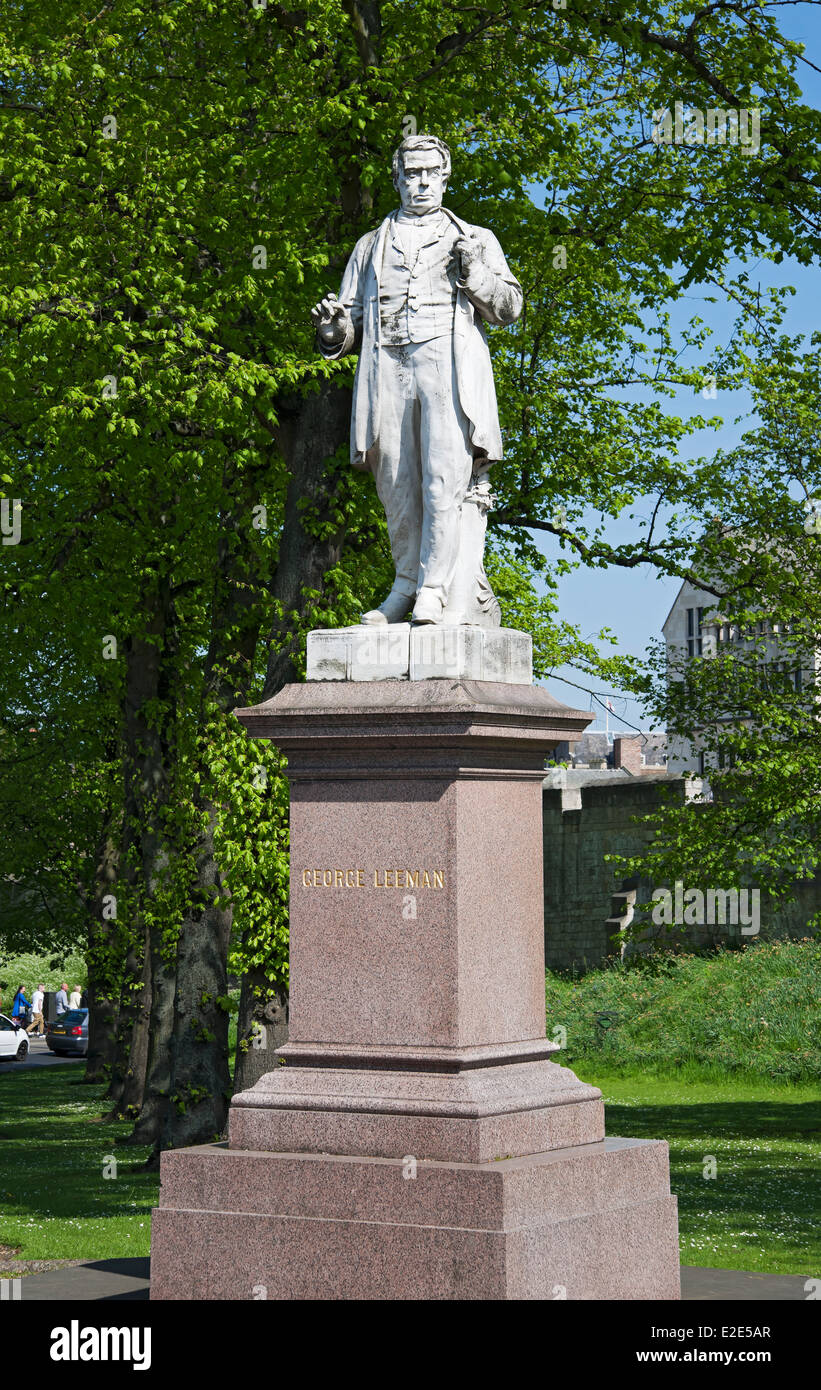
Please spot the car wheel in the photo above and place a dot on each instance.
(22, 1051)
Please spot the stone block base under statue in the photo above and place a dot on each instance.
(399, 651)
(589, 1222)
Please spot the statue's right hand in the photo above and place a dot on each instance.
(330, 319)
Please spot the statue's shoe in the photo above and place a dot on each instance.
(428, 608)
(393, 609)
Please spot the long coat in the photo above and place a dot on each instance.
(491, 294)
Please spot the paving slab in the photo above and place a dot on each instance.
(712, 1285)
(99, 1281)
(127, 1280)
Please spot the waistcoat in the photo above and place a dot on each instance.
(418, 289)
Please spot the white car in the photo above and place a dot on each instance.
(14, 1044)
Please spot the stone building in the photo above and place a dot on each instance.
(694, 628)
(602, 785)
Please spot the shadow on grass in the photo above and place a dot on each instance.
(56, 1151)
(800, 1120)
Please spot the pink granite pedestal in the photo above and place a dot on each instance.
(415, 1139)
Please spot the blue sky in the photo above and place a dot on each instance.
(634, 603)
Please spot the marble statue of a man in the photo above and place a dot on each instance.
(414, 300)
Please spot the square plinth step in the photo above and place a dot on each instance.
(595, 1221)
(400, 651)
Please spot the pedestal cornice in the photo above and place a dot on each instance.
(421, 719)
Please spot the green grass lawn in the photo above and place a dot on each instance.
(761, 1212)
(54, 1201)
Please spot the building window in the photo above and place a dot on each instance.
(694, 637)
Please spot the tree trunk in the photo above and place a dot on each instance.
(143, 1068)
(311, 430)
(125, 1093)
(201, 1082)
(154, 1102)
(103, 1013)
(262, 1027)
(103, 973)
(132, 1097)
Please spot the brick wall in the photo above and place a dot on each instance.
(627, 753)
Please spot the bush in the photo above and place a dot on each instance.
(29, 970)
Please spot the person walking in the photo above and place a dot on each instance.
(74, 1001)
(61, 1002)
(20, 1007)
(37, 1020)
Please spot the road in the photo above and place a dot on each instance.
(38, 1056)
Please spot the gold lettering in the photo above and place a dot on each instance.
(382, 878)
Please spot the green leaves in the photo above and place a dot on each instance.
(126, 255)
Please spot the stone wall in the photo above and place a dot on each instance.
(585, 822)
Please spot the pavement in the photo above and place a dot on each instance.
(102, 1281)
(731, 1285)
(38, 1056)
(113, 1281)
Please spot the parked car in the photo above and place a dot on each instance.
(69, 1033)
(14, 1044)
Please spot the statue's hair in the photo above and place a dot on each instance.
(421, 142)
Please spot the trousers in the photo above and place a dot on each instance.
(424, 462)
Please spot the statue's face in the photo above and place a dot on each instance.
(420, 182)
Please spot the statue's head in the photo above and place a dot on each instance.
(421, 169)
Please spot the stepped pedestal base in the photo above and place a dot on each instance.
(475, 1115)
(418, 1143)
(589, 1222)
